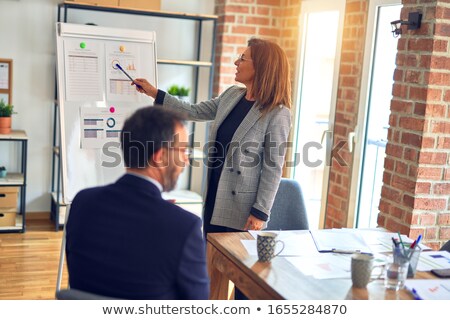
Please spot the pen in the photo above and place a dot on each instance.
(345, 251)
(401, 242)
(128, 76)
(415, 294)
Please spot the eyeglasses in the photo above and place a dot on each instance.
(186, 150)
(241, 58)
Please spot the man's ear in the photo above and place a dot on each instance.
(158, 158)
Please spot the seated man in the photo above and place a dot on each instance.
(123, 239)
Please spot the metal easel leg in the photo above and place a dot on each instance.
(62, 253)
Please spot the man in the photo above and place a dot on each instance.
(123, 239)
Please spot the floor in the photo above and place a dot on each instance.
(29, 262)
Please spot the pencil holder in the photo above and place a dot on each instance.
(402, 255)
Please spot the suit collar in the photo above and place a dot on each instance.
(141, 184)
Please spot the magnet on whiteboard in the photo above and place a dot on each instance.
(122, 48)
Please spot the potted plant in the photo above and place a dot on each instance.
(2, 172)
(181, 92)
(6, 110)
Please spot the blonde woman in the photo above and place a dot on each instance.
(247, 138)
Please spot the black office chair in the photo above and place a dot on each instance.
(75, 294)
(288, 210)
(446, 246)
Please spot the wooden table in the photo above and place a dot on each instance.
(278, 279)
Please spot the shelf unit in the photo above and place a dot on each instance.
(16, 179)
(58, 207)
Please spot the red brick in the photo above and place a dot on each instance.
(440, 126)
(421, 44)
(243, 29)
(400, 90)
(414, 219)
(414, 233)
(438, 78)
(443, 143)
(442, 13)
(394, 150)
(429, 173)
(423, 188)
(413, 76)
(401, 106)
(444, 219)
(444, 233)
(442, 188)
(431, 233)
(427, 219)
(396, 226)
(440, 62)
(433, 158)
(430, 204)
(411, 139)
(408, 201)
(397, 213)
(410, 154)
(390, 194)
(403, 184)
(412, 123)
(442, 29)
(257, 21)
(269, 32)
(401, 168)
(236, 9)
(419, 109)
(427, 142)
(269, 2)
(440, 45)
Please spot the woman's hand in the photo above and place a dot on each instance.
(145, 87)
(253, 223)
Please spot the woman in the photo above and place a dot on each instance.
(249, 134)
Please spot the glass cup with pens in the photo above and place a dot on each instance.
(403, 263)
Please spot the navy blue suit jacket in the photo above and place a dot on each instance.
(125, 241)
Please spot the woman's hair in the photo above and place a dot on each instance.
(272, 81)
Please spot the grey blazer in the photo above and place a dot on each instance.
(254, 161)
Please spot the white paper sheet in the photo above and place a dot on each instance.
(338, 239)
(4, 76)
(429, 289)
(323, 266)
(118, 86)
(433, 260)
(82, 69)
(99, 126)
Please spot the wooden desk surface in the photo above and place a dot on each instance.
(278, 279)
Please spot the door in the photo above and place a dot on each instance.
(373, 116)
(321, 25)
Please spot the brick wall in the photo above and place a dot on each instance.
(239, 20)
(350, 71)
(416, 190)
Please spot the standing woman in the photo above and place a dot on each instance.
(248, 138)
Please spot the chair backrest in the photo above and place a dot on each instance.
(446, 246)
(75, 294)
(288, 210)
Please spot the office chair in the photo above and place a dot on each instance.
(288, 210)
(75, 294)
(446, 247)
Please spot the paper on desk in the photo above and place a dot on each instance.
(430, 289)
(296, 243)
(323, 266)
(433, 260)
(380, 241)
(337, 239)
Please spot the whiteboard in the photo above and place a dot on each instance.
(95, 97)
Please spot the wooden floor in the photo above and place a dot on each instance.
(29, 262)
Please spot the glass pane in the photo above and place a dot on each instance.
(380, 96)
(315, 102)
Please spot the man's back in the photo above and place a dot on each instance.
(125, 241)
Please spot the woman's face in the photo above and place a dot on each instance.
(245, 72)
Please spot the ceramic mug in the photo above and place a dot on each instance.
(266, 243)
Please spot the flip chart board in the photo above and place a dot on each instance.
(95, 97)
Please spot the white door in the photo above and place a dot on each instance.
(373, 115)
(321, 25)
